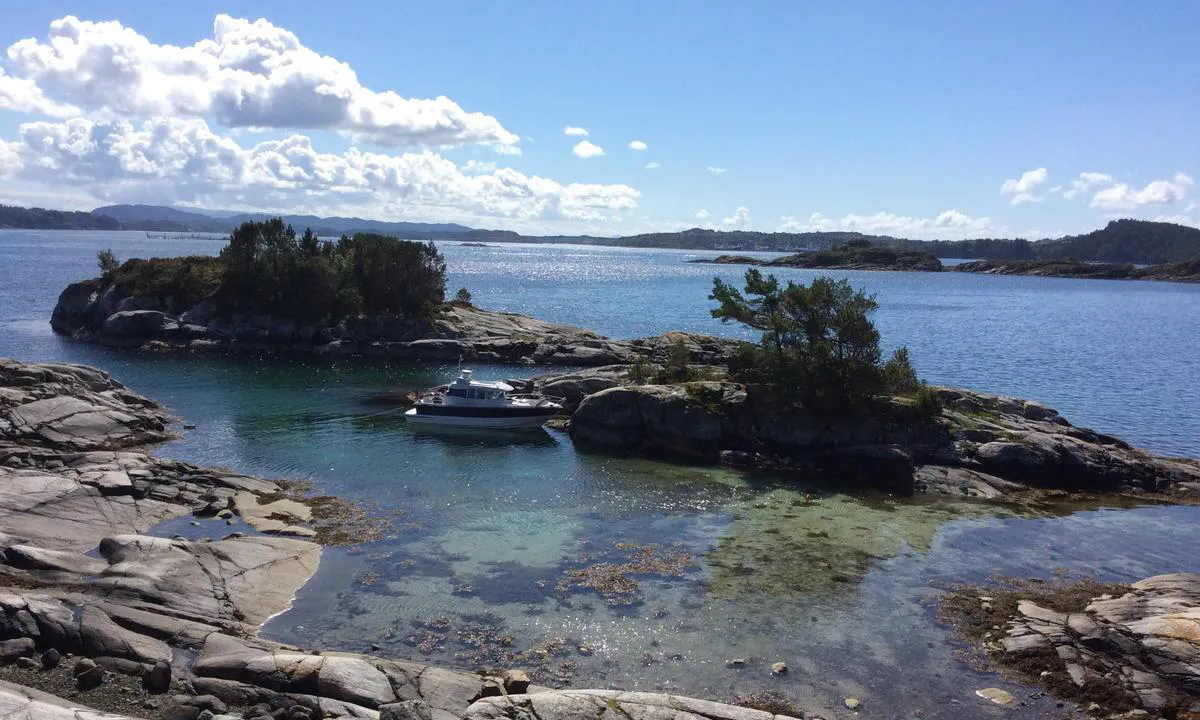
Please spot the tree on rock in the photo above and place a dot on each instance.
(818, 347)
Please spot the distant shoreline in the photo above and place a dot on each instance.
(1120, 241)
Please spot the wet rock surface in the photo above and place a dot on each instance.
(1136, 651)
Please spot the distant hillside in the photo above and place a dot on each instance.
(161, 218)
(41, 219)
(1121, 241)
(1136, 241)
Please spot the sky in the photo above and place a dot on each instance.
(924, 119)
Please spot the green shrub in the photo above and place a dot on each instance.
(463, 296)
(898, 374)
(927, 402)
(108, 263)
(640, 371)
(678, 366)
(185, 280)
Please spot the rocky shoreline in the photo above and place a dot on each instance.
(1121, 651)
(1187, 271)
(978, 445)
(841, 258)
(103, 313)
(102, 614)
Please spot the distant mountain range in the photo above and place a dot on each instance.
(1133, 241)
(168, 219)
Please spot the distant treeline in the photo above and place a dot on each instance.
(1121, 241)
(41, 219)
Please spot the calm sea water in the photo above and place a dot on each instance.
(490, 531)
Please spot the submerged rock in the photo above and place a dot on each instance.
(1140, 649)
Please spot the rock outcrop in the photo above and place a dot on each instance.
(980, 445)
(843, 257)
(1187, 271)
(75, 407)
(1139, 650)
(98, 312)
(80, 577)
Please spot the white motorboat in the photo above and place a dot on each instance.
(473, 403)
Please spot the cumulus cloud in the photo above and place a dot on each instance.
(476, 167)
(701, 214)
(1021, 189)
(653, 166)
(637, 145)
(950, 223)
(24, 96)
(1085, 182)
(715, 170)
(739, 219)
(1158, 192)
(10, 159)
(182, 160)
(572, 130)
(585, 149)
(248, 74)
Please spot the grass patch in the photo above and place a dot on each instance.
(186, 279)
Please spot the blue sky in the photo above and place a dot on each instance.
(904, 118)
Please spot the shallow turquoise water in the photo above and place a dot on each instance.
(839, 587)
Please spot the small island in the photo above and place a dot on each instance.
(275, 291)
(1185, 271)
(853, 255)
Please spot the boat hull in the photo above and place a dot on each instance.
(508, 422)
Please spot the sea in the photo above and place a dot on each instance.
(588, 570)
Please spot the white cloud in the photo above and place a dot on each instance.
(1021, 189)
(702, 214)
(23, 96)
(1184, 218)
(653, 166)
(740, 218)
(172, 160)
(475, 167)
(637, 145)
(950, 223)
(572, 130)
(715, 170)
(1158, 192)
(1085, 182)
(248, 74)
(585, 149)
(507, 149)
(10, 159)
